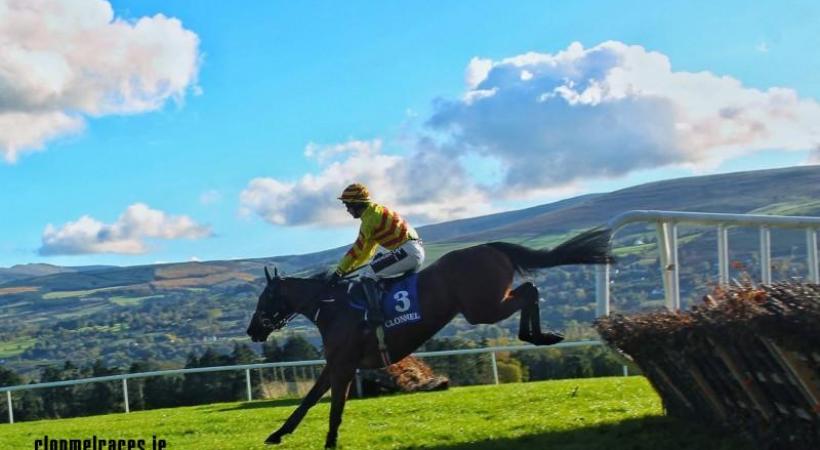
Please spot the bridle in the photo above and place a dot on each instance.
(272, 326)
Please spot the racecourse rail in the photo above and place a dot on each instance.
(666, 223)
(248, 367)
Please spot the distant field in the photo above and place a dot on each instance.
(12, 348)
(586, 414)
(18, 290)
(69, 294)
(127, 301)
(803, 207)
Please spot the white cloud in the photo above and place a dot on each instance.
(608, 110)
(477, 70)
(210, 197)
(425, 186)
(62, 61)
(541, 124)
(126, 235)
(814, 156)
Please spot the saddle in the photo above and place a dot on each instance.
(357, 296)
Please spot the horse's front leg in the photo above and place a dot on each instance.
(316, 392)
(340, 380)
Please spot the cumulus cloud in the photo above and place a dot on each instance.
(612, 109)
(549, 122)
(62, 61)
(127, 235)
(425, 186)
(814, 156)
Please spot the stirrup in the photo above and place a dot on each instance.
(383, 353)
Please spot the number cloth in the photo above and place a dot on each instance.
(401, 303)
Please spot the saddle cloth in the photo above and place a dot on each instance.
(400, 303)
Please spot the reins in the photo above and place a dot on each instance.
(316, 304)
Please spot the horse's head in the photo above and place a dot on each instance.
(273, 310)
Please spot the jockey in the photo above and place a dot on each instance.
(380, 227)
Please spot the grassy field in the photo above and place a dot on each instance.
(604, 413)
(15, 347)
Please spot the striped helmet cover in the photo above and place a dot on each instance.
(355, 192)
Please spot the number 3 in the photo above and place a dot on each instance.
(402, 301)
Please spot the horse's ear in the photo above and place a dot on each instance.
(267, 274)
(275, 272)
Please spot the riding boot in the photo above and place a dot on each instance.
(375, 317)
(373, 297)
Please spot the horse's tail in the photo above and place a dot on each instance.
(590, 247)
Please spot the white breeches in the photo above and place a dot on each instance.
(408, 256)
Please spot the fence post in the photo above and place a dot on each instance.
(668, 247)
(359, 391)
(125, 395)
(723, 254)
(11, 411)
(626, 371)
(248, 383)
(765, 255)
(495, 367)
(811, 252)
(602, 291)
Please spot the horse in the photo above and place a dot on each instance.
(475, 282)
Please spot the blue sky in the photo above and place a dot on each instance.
(227, 130)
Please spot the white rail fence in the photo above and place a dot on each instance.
(248, 367)
(667, 222)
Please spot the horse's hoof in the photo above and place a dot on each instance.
(548, 338)
(273, 439)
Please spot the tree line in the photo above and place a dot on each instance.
(146, 393)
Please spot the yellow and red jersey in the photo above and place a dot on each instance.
(380, 226)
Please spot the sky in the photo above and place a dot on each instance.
(138, 132)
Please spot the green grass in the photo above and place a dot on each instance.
(801, 207)
(56, 295)
(12, 348)
(116, 328)
(128, 301)
(604, 413)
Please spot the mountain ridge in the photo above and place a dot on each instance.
(732, 192)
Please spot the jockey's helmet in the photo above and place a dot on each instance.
(355, 193)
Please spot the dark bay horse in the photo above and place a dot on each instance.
(475, 281)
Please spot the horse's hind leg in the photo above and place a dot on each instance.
(529, 327)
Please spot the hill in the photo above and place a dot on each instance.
(22, 271)
(589, 414)
(163, 312)
(791, 191)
